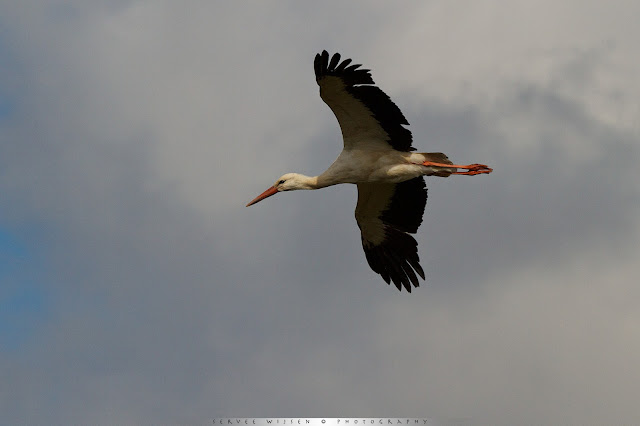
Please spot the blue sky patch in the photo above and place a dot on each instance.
(23, 300)
(6, 108)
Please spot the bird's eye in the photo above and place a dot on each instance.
(281, 182)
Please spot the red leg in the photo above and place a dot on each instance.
(473, 169)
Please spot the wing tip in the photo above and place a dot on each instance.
(350, 74)
(396, 260)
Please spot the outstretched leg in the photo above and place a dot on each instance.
(472, 169)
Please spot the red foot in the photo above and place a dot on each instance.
(473, 169)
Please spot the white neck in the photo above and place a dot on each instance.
(301, 181)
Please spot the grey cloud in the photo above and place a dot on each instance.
(174, 303)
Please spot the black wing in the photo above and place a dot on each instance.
(386, 213)
(367, 116)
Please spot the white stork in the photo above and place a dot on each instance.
(379, 159)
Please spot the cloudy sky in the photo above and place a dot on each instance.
(137, 288)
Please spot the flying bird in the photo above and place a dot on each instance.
(378, 157)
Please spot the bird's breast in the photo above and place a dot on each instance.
(356, 166)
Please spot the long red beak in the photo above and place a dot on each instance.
(268, 193)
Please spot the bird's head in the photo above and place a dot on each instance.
(288, 182)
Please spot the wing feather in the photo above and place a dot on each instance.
(334, 61)
(368, 118)
(386, 213)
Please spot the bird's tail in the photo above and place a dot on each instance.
(439, 157)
